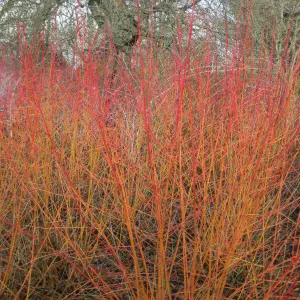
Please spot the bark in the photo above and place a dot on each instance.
(120, 19)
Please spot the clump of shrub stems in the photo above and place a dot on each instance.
(151, 175)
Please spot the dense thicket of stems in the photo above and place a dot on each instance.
(174, 175)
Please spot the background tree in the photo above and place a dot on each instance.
(270, 21)
(119, 16)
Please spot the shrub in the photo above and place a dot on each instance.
(177, 177)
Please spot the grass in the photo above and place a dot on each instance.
(174, 178)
